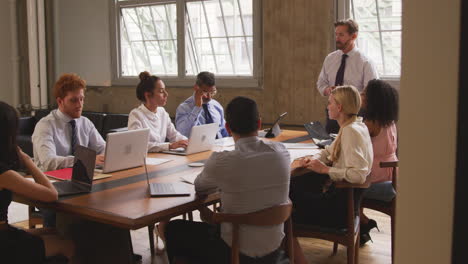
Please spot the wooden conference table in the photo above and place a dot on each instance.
(100, 221)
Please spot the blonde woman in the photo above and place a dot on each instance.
(316, 201)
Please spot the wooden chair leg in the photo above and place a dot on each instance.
(335, 248)
(151, 238)
(356, 250)
(190, 216)
(351, 253)
(392, 219)
(35, 218)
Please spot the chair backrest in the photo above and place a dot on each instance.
(267, 217)
(394, 166)
(114, 121)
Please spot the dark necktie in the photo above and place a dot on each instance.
(73, 136)
(208, 117)
(340, 74)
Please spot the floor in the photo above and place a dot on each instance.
(317, 251)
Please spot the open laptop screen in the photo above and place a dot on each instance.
(83, 167)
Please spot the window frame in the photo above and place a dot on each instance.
(343, 11)
(182, 80)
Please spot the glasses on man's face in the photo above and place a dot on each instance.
(212, 93)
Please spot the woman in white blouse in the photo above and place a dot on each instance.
(151, 91)
(315, 199)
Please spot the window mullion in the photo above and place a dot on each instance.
(380, 35)
(227, 37)
(352, 9)
(181, 69)
(130, 44)
(192, 42)
(195, 61)
(143, 39)
(170, 28)
(245, 35)
(209, 34)
(159, 42)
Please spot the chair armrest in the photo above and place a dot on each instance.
(345, 184)
(389, 164)
(394, 165)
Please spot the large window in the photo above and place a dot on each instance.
(179, 38)
(379, 32)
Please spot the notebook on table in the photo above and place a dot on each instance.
(66, 174)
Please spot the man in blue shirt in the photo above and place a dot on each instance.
(201, 108)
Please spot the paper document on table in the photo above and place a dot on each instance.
(224, 142)
(299, 153)
(189, 178)
(156, 161)
(98, 176)
(300, 145)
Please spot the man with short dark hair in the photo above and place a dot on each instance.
(201, 108)
(345, 66)
(252, 177)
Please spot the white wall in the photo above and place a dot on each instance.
(6, 90)
(427, 146)
(85, 52)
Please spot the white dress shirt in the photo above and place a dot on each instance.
(160, 126)
(250, 178)
(359, 70)
(52, 140)
(354, 163)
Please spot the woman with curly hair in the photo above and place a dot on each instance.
(380, 111)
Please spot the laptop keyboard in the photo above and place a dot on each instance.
(163, 188)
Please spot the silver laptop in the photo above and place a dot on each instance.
(166, 189)
(202, 138)
(125, 149)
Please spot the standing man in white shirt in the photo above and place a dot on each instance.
(252, 177)
(56, 135)
(345, 66)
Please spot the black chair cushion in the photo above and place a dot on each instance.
(25, 143)
(26, 125)
(323, 229)
(113, 121)
(39, 114)
(97, 119)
